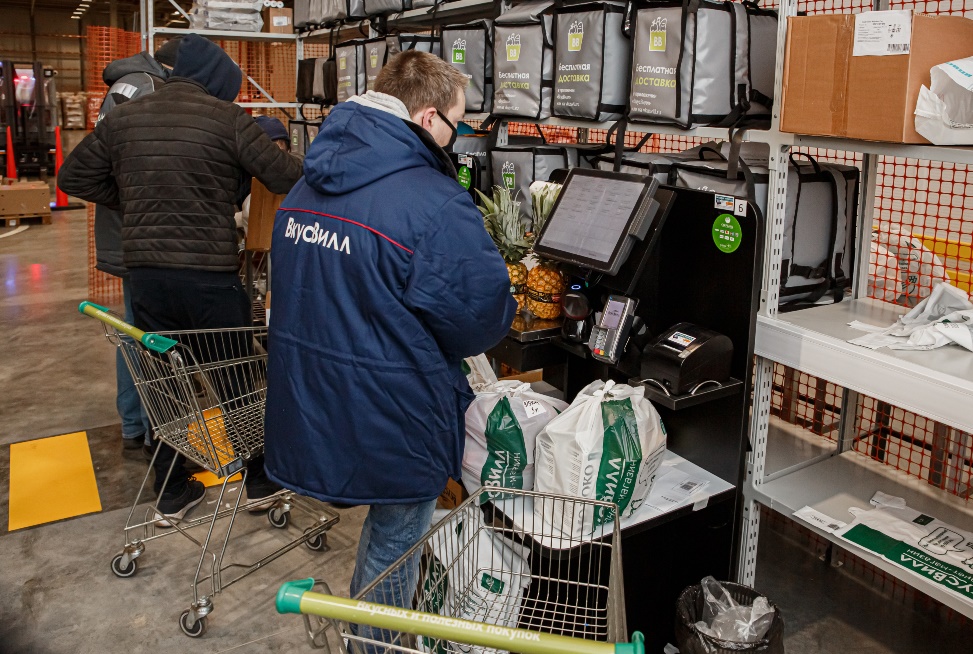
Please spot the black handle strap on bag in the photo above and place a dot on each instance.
(492, 124)
(618, 130)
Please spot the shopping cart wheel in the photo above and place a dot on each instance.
(278, 517)
(194, 630)
(122, 570)
(317, 543)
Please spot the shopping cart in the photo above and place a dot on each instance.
(505, 571)
(204, 392)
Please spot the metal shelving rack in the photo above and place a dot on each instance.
(938, 385)
(150, 31)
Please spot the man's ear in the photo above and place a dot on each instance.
(425, 117)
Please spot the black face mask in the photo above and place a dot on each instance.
(452, 128)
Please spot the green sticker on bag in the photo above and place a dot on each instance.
(621, 458)
(727, 233)
(506, 450)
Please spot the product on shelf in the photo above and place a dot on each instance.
(327, 12)
(233, 15)
(469, 49)
(589, 45)
(523, 61)
(703, 63)
(350, 57)
(835, 87)
(607, 446)
(944, 113)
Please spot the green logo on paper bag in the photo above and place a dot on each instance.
(657, 35)
(727, 233)
(459, 52)
(513, 47)
(509, 176)
(491, 583)
(575, 36)
(464, 177)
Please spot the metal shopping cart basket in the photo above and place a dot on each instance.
(204, 392)
(505, 571)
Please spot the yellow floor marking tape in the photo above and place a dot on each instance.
(209, 479)
(51, 479)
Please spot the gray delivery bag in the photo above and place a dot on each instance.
(376, 54)
(523, 61)
(328, 12)
(590, 46)
(700, 62)
(819, 231)
(351, 69)
(379, 7)
(518, 167)
(469, 49)
(302, 12)
(819, 226)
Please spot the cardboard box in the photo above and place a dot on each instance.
(829, 92)
(263, 208)
(25, 199)
(278, 21)
(452, 496)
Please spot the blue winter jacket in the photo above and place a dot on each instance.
(384, 279)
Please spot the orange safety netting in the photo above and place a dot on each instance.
(103, 288)
(102, 46)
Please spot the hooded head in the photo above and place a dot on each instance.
(140, 62)
(203, 61)
(273, 128)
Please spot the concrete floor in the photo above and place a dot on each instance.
(57, 594)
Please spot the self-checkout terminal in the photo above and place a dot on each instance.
(604, 229)
(663, 292)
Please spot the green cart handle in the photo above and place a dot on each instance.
(296, 597)
(154, 342)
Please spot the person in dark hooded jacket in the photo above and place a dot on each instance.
(172, 161)
(127, 79)
(384, 280)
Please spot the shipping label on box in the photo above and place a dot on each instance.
(882, 33)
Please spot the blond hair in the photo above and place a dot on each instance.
(421, 80)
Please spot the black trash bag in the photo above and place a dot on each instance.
(711, 609)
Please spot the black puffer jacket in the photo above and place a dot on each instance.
(127, 79)
(173, 162)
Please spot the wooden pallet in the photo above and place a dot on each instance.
(13, 220)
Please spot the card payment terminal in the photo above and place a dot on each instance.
(608, 337)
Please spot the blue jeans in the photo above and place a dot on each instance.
(388, 533)
(135, 423)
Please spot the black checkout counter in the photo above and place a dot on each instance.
(688, 283)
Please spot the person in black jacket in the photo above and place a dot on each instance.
(172, 161)
(127, 79)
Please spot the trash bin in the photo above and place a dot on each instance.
(689, 611)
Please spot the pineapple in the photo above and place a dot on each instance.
(545, 283)
(501, 217)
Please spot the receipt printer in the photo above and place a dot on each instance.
(685, 356)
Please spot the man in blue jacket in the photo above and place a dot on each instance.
(384, 280)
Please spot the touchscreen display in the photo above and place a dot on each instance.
(613, 314)
(592, 216)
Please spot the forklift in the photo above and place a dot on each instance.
(28, 98)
